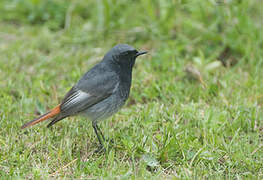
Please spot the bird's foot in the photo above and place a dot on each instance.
(100, 149)
(109, 141)
(103, 148)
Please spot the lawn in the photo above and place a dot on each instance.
(195, 107)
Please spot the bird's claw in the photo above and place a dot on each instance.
(101, 148)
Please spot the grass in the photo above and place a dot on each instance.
(172, 126)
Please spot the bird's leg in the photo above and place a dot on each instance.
(97, 131)
(98, 134)
(108, 140)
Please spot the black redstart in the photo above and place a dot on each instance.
(100, 93)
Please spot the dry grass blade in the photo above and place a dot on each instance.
(64, 167)
(194, 73)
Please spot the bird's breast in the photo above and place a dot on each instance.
(124, 91)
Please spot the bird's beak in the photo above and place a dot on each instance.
(140, 53)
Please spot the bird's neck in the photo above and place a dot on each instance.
(124, 71)
(126, 74)
(125, 82)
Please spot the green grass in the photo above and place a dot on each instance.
(172, 126)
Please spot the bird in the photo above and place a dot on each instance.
(99, 93)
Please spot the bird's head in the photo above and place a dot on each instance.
(123, 54)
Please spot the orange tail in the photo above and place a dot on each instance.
(55, 111)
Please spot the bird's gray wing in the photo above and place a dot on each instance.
(95, 86)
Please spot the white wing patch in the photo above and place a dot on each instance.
(77, 97)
